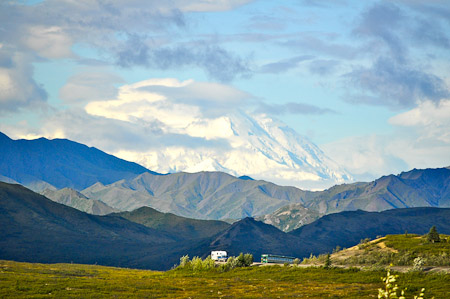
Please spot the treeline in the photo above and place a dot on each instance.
(197, 264)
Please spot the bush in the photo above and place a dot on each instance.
(184, 261)
(391, 288)
(197, 264)
(418, 264)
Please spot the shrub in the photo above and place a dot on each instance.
(418, 264)
(197, 263)
(208, 263)
(184, 261)
(391, 288)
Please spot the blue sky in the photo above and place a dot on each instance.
(367, 81)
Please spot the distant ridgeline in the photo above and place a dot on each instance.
(105, 183)
(36, 229)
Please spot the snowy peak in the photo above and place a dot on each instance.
(253, 145)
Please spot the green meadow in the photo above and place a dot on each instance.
(27, 280)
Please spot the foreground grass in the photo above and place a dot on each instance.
(84, 281)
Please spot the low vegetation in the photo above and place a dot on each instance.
(20, 280)
(197, 264)
(400, 250)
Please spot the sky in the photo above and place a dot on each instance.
(367, 81)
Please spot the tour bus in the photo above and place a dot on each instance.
(219, 255)
(276, 259)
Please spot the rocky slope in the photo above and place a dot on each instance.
(75, 199)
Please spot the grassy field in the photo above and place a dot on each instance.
(20, 280)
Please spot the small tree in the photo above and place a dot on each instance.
(433, 235)
(327, 264)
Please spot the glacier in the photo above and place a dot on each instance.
(256, 145)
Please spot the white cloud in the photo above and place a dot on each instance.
(17, 87)
(421, 139)
(430, 120)
(209, 5)
(177, 104)
(49, 42)
(134, 102)
(89, 86)
(147, 122)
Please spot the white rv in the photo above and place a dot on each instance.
(220, 256)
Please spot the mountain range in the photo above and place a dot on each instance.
(54, 164)
(36, 229)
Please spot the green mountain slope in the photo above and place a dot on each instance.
(185, 228)
(36, 229)
(346, 229)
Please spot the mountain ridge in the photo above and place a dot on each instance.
(62, 163)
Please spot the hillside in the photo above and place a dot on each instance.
(185, 228)
(398, 250)
(415, 188)
(36, 229)
(290, 217)
(345, 229)
(61, 163)
(75, 199)
(249, 235)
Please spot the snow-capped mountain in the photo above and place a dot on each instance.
(257, 146)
